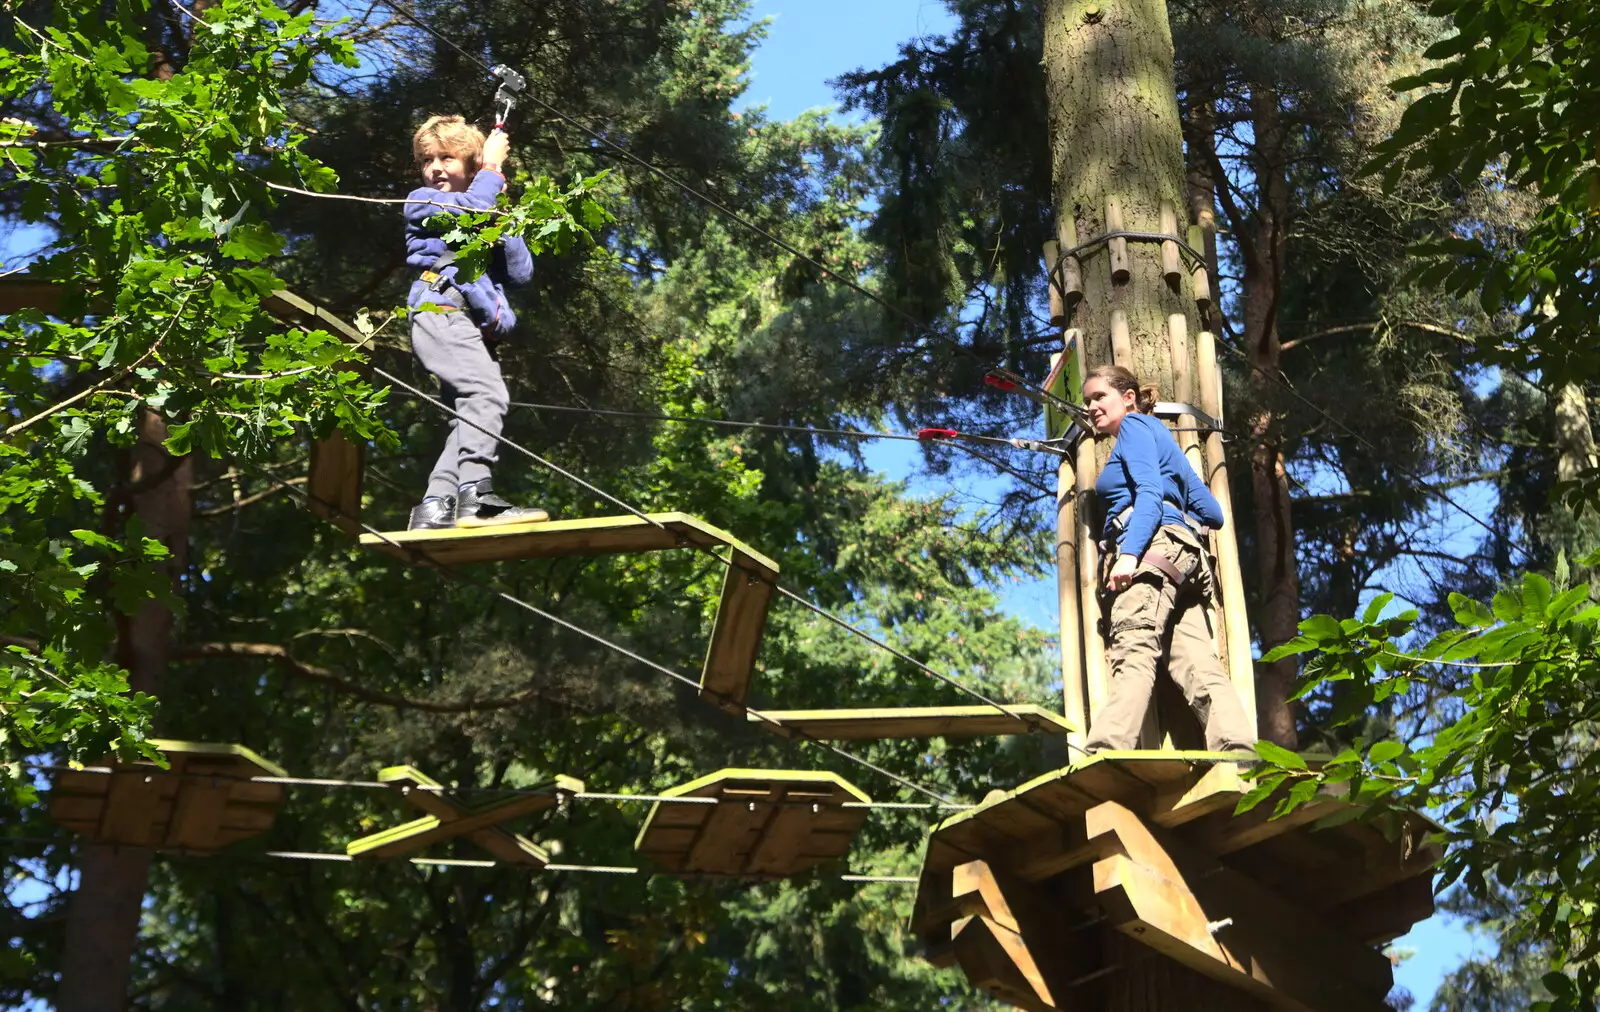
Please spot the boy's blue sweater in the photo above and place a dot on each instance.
(485, 296)
(1149, 472)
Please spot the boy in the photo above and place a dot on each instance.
(455, 339)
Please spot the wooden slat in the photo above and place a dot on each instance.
(736, 636)
(131, 810)
(334, 484)
(449, 818)
(768, 823)
(561, 538)
(198, 814)
(875, 724)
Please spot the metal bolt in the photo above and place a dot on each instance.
(1092, 14)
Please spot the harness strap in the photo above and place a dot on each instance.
(1164, 564)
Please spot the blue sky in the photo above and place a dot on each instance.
(806, 49)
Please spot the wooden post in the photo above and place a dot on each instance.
(1171, 263)
(1202, 280)
(1072, 641)
(1095, 676)
(1121, 341)
(1058, 304)
(1071, 273)
(1118, 247)
(1183, 389)
(1235, 622)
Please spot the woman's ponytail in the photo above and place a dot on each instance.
(1149, 393)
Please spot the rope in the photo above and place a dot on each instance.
(603, 641)
(708, 200)
(731, 563)
(447, 863)
(506, 792)
(1368, 444)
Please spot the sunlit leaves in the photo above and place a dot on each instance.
(1514, 779)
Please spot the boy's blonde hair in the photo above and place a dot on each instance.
(452, 135)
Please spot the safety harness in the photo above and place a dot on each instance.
(1192, 532)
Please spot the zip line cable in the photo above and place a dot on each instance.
(710, 201)
(728, 562)
(511, 599)
(501, 792)
(1368, 444)
(457, 862)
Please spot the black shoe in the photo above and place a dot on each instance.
(480, 507)
(433, 515)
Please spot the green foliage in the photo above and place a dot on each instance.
(1511, 774)
(158, 190)
(1511, 93)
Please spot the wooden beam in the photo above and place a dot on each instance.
(875, 724)
(1219, 922)
(747, 590)
(448, 818)
(1223, 832)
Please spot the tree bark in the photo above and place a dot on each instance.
(1278, 613)
(103, 919)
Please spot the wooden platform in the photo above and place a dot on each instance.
(746, 589)
(769, 824)
(449, 817)
(1020, 890)
(914, 722)
(203, 802)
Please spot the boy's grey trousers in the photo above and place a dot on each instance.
(449, 345)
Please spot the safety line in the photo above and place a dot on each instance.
(498, 792)
(1358, 437)
(450, 574)
(717, 205)
(730, 562)
(735, 216)
(334, 857)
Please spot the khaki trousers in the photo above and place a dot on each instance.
(1150, 613)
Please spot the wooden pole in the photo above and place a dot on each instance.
(1095, 676)
(1171, 263)
(1235, 621)
(1073, 701)
(1071, 273)
(1120, 270)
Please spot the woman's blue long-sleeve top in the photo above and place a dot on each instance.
(485, 295)
(1148, 472)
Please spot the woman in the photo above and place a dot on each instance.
(1160, 580)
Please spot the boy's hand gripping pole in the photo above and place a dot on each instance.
(512, 84)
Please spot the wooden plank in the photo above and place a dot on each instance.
(736, 635)
(132, 812)
(786, 838)
(877, 724)
(997, 960)
(512, 848)
(722, 843)
(290, 308)
(19, 292)
(1218, 790)
(767, 823)
(590, 536)
(1382, 917)
(1223, 832)
(334, 482)
(448, 818)
(198, 814)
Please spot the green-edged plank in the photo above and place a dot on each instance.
(655, 532)
(876, 724)
(448, 818)
(766, 824)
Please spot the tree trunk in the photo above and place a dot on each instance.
(1574, 435)
(103, 920)
(1278, 615)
